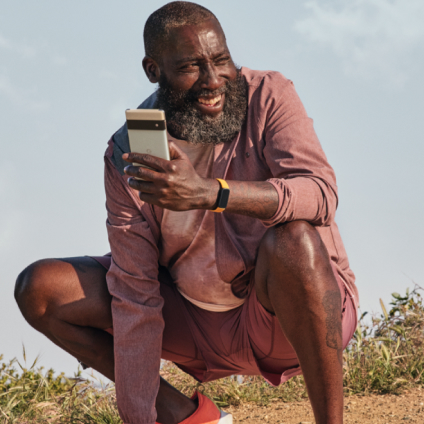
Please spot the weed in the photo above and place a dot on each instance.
(388, 355)
(33, 396)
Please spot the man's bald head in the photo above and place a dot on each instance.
(172, 15)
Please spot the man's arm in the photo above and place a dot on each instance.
(303, 186)
(270, 201)
(176, 185)
(137, 303)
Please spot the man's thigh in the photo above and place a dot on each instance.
(78, 292)
(69, 290)
(274, 354)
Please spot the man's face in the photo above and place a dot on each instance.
(197, 60)
(200, 89)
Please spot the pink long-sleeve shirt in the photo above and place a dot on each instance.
(276, 144)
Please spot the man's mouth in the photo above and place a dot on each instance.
(210, 102)
(211, 105)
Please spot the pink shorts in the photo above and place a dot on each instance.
(247, 340)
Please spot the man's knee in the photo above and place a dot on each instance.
(294, 246)
(32, 290)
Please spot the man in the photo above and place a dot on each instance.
(261, 288)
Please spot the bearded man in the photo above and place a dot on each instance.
(263, 288)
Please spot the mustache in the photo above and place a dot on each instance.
(209, 93)
(192, 95)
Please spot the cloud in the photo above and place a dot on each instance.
(21, 49)
(375, 39)
(20, 97)
(4, 43)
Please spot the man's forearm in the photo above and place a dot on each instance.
(258, 199)
(177, 186)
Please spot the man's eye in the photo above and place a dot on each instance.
(222, 60)
(189, 65)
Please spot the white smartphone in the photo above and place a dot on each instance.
(147, 132)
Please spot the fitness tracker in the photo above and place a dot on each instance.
(223, 195)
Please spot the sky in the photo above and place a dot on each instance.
(69, 69)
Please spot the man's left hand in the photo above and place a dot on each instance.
(173, 184)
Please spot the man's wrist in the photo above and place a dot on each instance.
(210, 196)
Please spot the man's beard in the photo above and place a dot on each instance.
(186, 122)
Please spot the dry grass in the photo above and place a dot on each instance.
(33, 396)
(386, 356)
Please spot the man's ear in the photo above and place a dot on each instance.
(151, 68)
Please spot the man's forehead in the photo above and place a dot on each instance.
(189, 42)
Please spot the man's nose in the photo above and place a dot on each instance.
(210, 79)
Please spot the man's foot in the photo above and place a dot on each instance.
(207, 413)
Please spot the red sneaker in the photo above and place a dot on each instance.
(207, 413)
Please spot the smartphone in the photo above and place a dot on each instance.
(147, 133)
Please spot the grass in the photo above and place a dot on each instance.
(388, 355)
(33, 396)
(385, 356)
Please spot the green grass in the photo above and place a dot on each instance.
(385, 356)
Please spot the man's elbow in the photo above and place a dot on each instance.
(329, 207)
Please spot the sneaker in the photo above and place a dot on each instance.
(207, 413)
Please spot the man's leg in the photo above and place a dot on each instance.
(67, 300)
(295, 281)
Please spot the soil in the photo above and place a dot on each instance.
(374, 409)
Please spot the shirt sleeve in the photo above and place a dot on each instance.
(302, 176)
(136, 302)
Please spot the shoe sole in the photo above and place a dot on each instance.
(225, 418)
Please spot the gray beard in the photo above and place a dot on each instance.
(186, 122)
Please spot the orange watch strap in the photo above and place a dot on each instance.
(223, 184)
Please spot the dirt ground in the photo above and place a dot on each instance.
(374, 409)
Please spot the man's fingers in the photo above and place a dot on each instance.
(158, 164)
(141, 172)
(141, 186)
(148, 160)
(147, 197)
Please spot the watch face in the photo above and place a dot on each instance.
(223, 197)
